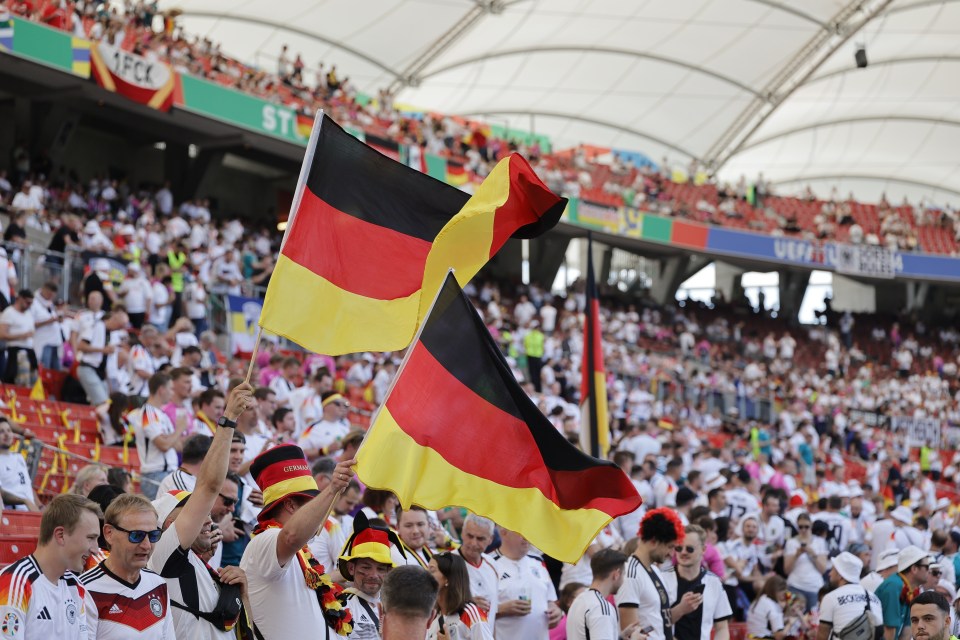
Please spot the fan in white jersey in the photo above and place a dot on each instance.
(528, 602)
(700, 606)
(643, 598)
(591, 615)
(476, 535)
(459, 616)
(40, 596)
(124, 600)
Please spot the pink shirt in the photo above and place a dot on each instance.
(713, 561)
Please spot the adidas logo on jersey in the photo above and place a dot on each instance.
(115, 609)
(44, 614)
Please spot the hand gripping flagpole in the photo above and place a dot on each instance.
(294, 206)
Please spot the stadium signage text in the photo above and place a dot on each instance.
(134, 69)
(279, 121)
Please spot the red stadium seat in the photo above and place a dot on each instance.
(19, 523)
(12, 548)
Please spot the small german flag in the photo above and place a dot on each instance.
(457, 429)
(304, 126)
(456, 174)
(367, 235)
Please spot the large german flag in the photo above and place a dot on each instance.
(457, 429)
(367, 235)
(594, 420)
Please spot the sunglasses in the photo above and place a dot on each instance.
(227, 502)
(681, 549)
(801, 527)
(137, 536)
(935, 572)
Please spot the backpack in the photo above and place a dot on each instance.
(861, 627)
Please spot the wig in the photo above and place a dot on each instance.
(661, 525)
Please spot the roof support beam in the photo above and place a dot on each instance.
(582, 49)
(584, 119)
(886, 63)
(853, 120)
(792, 10)
(283, 26)
(410, 75)
(794, 74)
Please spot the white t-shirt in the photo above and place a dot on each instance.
(137, 294)
(469, 625)
(94, 334)
(366, 615)
(14, 476)
(640, 591)
(845, 604)
(484, 581)
(740, 502)
(179, 480)
(48, 334)
(840, 528)
(805, 575)
(148, 422)
(322, 434)
(591, 616)
(33, 608)
(283, 606)
(764, 618)
(189, 582)
(581, 572)
(161, 296)
(18, 322)
(524, 579)
(715, 607)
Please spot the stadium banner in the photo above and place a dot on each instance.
(862, 260)
(919, 431)
(41, 44)
(136, 78)
(244, 314)
(859, 260)
(870, 419)
(246, 111)
(6, 32)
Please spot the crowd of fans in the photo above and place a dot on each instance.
(142, 28)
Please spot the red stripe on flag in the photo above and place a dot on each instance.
(526, 197)
(510, 457)
(597, 347)
(352, 253)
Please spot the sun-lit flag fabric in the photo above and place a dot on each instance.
(594, 421)
(366, 235)
(457, 429)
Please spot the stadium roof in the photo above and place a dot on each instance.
(742, 85)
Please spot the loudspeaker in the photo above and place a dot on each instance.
(861, 57)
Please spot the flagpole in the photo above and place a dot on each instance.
(294, 207)
(253, 356)
(396, 376)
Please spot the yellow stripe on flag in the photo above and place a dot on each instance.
(603, 419)
(420, 475)
(322, 317)
(465, 240)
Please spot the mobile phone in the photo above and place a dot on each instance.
(699, 589)
(647, 630)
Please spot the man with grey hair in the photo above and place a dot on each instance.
(475, 537)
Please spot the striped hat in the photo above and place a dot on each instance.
(368, 541)
(281, 472)
(167, 502)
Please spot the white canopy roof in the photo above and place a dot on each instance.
(743, 86)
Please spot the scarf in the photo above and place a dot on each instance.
(329, 595)
(202, 417)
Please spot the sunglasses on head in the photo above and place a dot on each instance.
(137, 536)
(680, 549)
(227, 502)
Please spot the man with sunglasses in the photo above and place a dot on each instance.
(899, 589)
(699, 603)
(321, 438)
(188, 536)
(125, 601)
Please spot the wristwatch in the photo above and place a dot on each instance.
(224, 421)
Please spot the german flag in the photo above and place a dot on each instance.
(366, 235)
(457, 429)
(594, 421)
(456, 173)
(304, 126)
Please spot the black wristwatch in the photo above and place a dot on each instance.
(224, 421)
